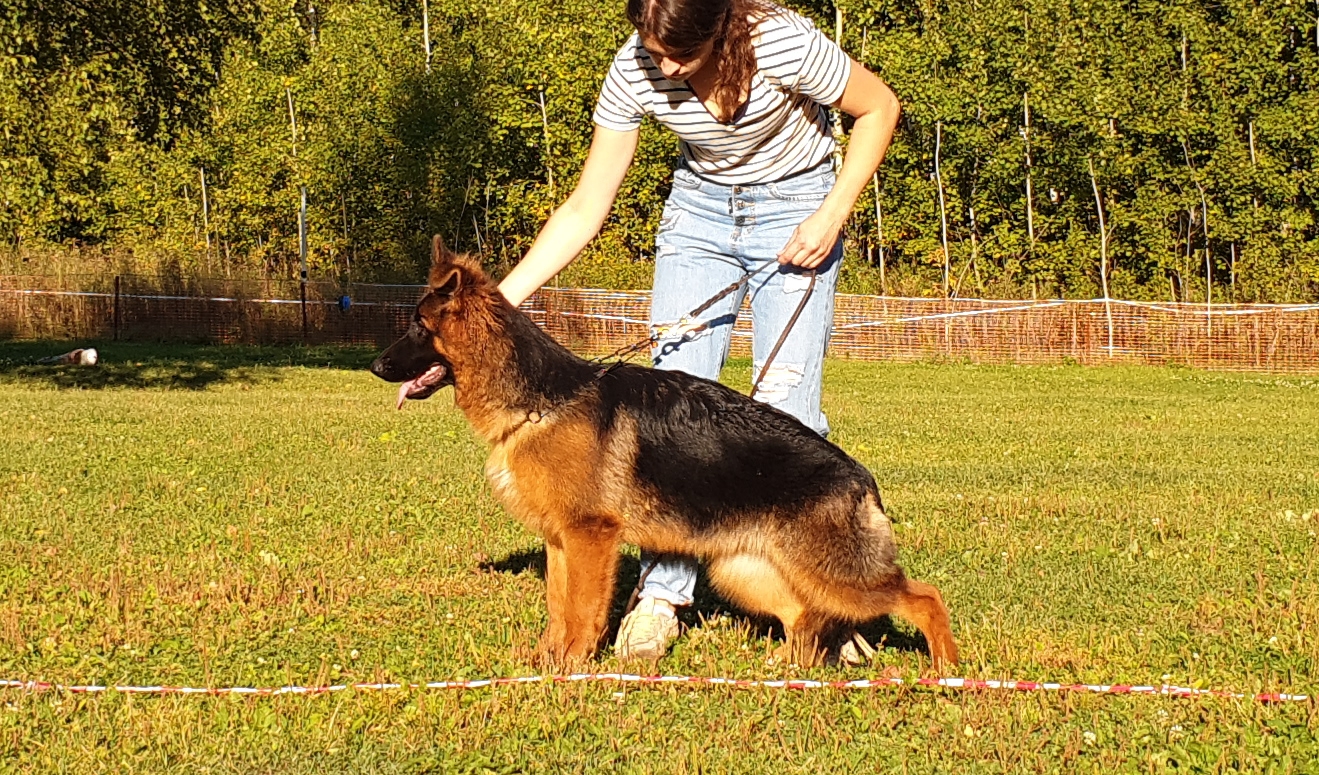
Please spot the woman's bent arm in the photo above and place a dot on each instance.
(876, 109)
(577, 220)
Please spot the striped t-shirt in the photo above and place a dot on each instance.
(784, 127)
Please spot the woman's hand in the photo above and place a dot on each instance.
(813, 240)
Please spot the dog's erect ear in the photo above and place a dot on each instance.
(442, 266)
(445, 281)
(439, 254)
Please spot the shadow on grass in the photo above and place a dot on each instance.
(880, 633)
(167, 366)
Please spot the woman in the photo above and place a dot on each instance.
(746, 85)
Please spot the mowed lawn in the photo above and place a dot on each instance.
(239, 516)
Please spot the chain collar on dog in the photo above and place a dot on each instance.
(685, 326)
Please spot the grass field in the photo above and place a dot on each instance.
(208, 516)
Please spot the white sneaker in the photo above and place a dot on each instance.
(647, 631)
(855, 651)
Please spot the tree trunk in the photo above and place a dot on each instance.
(879, 237)
(426, 31)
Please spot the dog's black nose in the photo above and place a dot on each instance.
(380, 367)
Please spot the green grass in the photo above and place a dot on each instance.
(211, 516)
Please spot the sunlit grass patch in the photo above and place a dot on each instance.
(281, 523)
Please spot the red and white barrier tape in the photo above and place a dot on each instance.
(966, 684)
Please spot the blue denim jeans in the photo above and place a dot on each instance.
(709, 236)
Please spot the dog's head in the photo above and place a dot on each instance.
(418, 359)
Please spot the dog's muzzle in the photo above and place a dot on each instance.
(418, 369)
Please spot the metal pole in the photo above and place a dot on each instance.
(116, 308)
(302, 255)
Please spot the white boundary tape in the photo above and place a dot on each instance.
(963, 684)
(944, 315)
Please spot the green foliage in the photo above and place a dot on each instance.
(159, 58)
(1178, 105)
(81, 80)
(1199, 121)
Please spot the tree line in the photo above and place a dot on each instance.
(1145, 149)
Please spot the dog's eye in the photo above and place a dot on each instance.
(418, 331)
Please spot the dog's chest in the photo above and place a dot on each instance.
(500, 475)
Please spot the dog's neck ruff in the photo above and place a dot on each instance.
(536, 416)
(510, 387)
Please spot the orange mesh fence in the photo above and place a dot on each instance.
(1277, 338)
(1282, 338)
(46, 307)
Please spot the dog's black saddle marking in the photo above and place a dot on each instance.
(717, 454)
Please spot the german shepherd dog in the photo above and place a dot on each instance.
(788, 524)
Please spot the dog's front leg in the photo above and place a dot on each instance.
(581, 566)
(556, 600)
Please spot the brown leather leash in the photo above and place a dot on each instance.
(783, 337)
(641, 580)
(621, 355)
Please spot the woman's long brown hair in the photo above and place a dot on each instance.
(683, 26)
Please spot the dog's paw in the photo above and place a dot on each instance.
(526, 654)
(798, 654)
(549, 651)
(557, 653)
(943, 656)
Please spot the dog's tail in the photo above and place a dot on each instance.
(849, 543)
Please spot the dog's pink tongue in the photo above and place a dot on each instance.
(420, 384)
(403, 391)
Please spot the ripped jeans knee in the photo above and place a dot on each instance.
(777, 384)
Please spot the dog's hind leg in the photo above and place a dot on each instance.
(582, 563)
(922, 605)
(917, 602)
(846, 566)
(753, 583)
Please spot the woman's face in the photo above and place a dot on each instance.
(678, 65)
